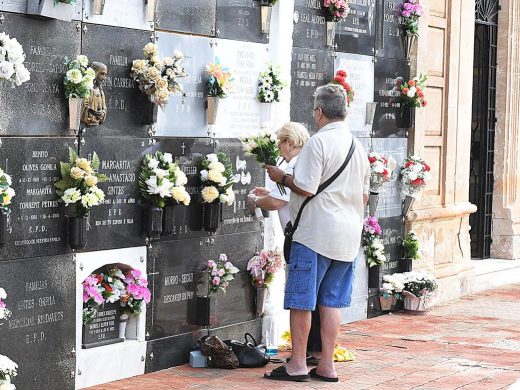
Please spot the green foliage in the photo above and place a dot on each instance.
(411, 246)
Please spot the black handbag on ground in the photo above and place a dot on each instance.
(290, 228)
(249, 353)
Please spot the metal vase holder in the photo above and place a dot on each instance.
(408, 43)
(98, 7)
(212, 109)
(78, 232)
(375, 276)
(265, 17)
(153, 222)
(211, 218)
(3, 227)
(373, 200)
(331, 32)
(151, 7)
(261, 293)
(75, 105)
(407, 204)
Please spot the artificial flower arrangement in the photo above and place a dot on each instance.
(411, 246)
(264, 148)
(412, 92)
(371, 240)
(158, 79)
(161, 180)
(414, 175)
(12, 59)
(6, 192)
(8, 370)
(392, 285)
(216, 173)
(416, 288)
(338, 9)
(419, 283)
(4, 311)
(381, 170)
(270, 85)
(411, 11)
(78, 183)
(219, 85)
(341, 79)
(79, 79)
(263, 266)
(129, 287)
(220, 273)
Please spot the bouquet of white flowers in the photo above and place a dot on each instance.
(158, 78)
(381, 170)
(162, 180)
(216, 173)
(374, 248)
(12, 58)
(415, 173)
(79, 79)
(78, 183)
(6, 192)
(8, 370)
(270, 85)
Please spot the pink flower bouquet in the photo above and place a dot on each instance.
(263, 266)
(374, 248)
(338, 9)
(220, 273)
(137, 292)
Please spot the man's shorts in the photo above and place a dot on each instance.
(314, 279)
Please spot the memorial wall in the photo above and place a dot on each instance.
(40, 272)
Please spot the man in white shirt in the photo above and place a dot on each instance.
(328, 237)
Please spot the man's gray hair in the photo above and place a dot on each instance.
(332, 99)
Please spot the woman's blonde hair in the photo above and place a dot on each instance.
(294, 132)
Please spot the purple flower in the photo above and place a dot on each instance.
(406, 14)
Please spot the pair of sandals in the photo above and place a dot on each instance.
(280, 374)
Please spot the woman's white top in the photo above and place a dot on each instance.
(285, 212)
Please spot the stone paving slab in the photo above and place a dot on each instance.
(471, 344)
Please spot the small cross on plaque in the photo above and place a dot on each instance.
(183, 147)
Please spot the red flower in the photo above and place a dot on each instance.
(423, 103)
(405, 91)
(408, 164)
(347, 87)
(384, 160)
(417, 182)
(108, 288)
(339, 79)
(99, 278)
(418, 89)
(372, 160)
(426, 167)
(385, 172)
(341, 73)
(411, 83)
(421, 95)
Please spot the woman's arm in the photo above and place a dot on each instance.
(270, 203)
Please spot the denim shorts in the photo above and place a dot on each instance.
(314, 279)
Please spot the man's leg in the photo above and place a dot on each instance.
(330, 322)
(300, 326)
(314, 341)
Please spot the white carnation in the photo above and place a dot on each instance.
(212, 157)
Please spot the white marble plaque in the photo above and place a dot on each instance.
(239, 113)
(13, 5)
(360, 76)
(186, 118)
(127, 13)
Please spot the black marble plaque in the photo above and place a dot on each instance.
(356, 34)
(393, 230)
(390, 40)
(37, 226)
(104, 328)
(38, 107)
(118, 222)
(310, 69)
(240, 20)
(127, 107)
(40, 334)
(310, 30)
(186, 117)
(195, 16)
(13, 5)
(387, 76)
(390, 201)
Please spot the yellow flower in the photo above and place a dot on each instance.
(181, 195)
(162, 83)
(91, 181)
(7, 200)
(162, 95)
(153, 73)
(215, 176)
(209, 194)
(82, 163)
(138, 65)
(217, 165)
(76, 173)
(150, 49)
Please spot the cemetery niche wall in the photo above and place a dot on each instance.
(40, 272)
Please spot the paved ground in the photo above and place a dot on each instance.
(472, 344)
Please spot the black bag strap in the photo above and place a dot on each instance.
(326, 183)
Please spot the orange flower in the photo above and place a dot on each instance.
(411, 83)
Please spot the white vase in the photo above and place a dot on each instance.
(122, 326)
(98, 7)
(151, 6)
(265, 114)
(75, 105)
(265, 17)
(260, 300)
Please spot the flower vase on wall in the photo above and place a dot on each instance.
(375, 276)
(407, 204)
(78, 232)
(154, 222)
(3, 228)
(203, 310)
(122, 325)
(212, 109)
(265, 114)
(331, 32)
(405, 117)
(265, 16)
(212, 216)
(408, 42)
(75, 105)
(168, 226)
(261, 293)
(373, 200)
(98, 7)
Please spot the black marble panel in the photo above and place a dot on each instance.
(127, 107)
(387, 74)
(38, 107)
(390, 202)
(186, 117)
(104, 328)
(310, 30)
(310, 69)
(19, 6)
(118, 222)
(37, 226)
(240, 20)
(177, 273)
(357, 33)
(393, 231)
(40, 334)
(390, 40)
(195, 16)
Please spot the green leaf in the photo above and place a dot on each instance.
(64, 169)
(95, 161)
(102, 177)
(72, 156)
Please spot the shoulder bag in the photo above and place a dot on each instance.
(290, 228)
